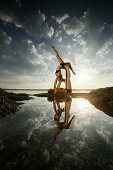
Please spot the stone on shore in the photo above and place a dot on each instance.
(8, 101)
(101, 95)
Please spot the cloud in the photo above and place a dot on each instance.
(88, 23)
(90, 35)
(60, 39)
(5, 49)
(20, 58)
(46, 155)
(85, 41)
(33, 23)
(74, 26)
(105, 49)
(57, 33)
(23, 62)
(59, 20)
(4, 38)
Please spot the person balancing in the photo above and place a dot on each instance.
(67, 67)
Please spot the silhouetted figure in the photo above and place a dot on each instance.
(59, 78)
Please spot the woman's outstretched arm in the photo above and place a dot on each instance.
(57, 55)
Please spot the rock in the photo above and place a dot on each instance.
(102, 99)
(8, 101)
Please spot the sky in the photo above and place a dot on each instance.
(81, 31)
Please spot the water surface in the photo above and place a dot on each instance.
(26, 135)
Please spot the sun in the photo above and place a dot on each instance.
(82, 77)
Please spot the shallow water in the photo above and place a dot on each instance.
(26, 135)
(36, 91)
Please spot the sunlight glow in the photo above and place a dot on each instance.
(82, 77)
(83, 104)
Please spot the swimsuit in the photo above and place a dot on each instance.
(62, 64)
(57, 71)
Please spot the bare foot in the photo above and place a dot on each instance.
(55, 90)
(73, 117)
(51, 47)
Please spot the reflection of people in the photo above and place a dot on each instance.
(65, 66)
(66, 123)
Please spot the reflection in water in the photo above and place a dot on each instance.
(82, 104)
(107, 108)
(58, 112)
(87, 145)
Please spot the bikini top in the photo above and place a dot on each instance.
(57, 71)
(62, 64)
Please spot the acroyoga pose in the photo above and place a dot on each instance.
(59, 77)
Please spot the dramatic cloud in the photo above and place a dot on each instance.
(89, 32)
(4, 38)
(22, 57)
(33, 23)
(59, 20)
(22, 62)
(27, 33)
(105, 49)
(74, 26)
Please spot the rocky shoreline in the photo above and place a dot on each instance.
(101, 95)
(8, 101)
(101, 98)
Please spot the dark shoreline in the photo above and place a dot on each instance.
(101, 98)
(8, 101)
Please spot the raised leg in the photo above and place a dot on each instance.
(57, 55)
(69, 65)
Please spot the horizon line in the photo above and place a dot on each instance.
(47, 89)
